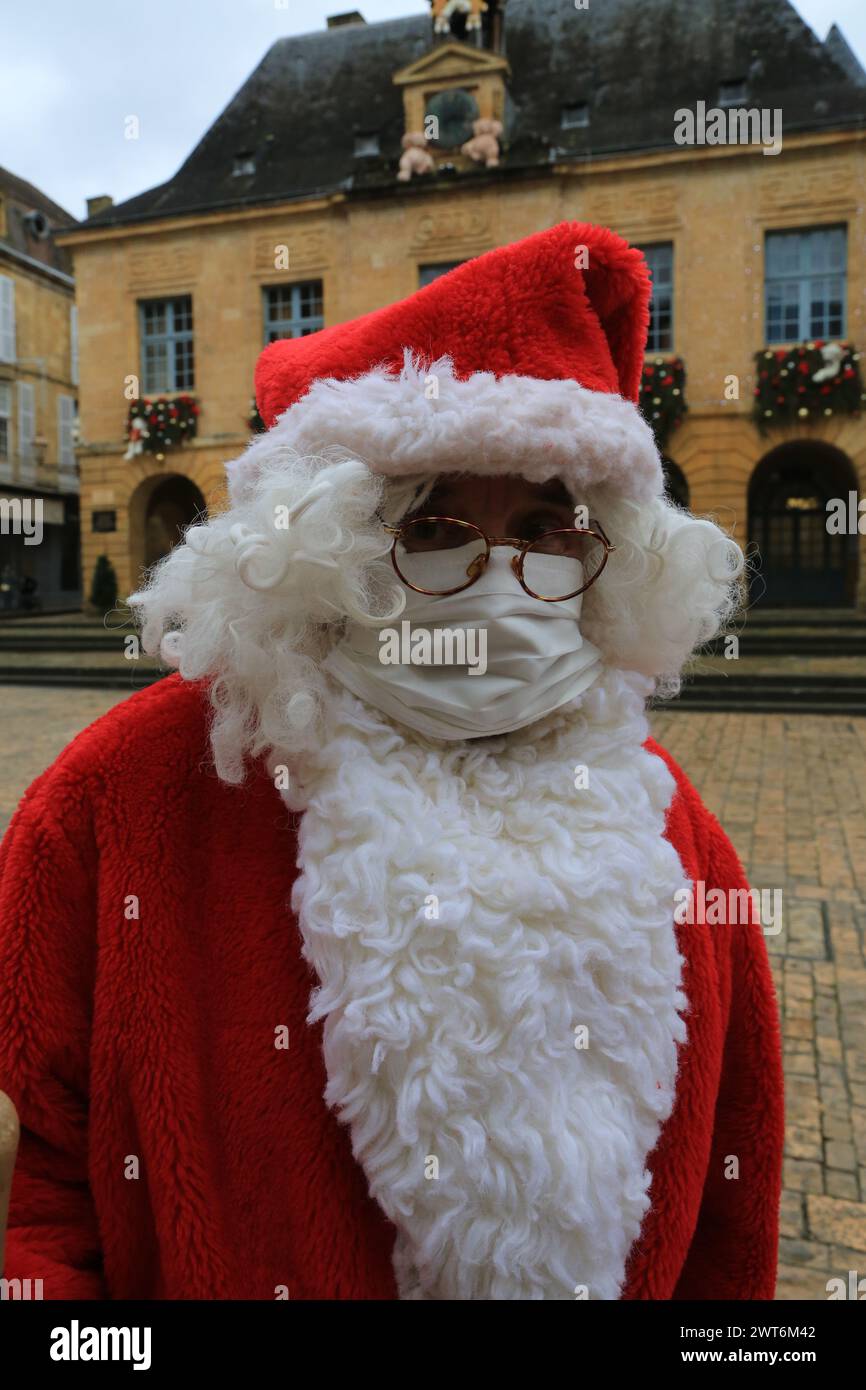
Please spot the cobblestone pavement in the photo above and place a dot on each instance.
(36, 723)
(791, 793)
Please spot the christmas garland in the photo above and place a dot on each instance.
(662, 396)
(160, 423)
(807, 382)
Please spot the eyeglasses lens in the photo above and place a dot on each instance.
(562, 563)
(439, 555)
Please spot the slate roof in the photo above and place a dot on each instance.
(634, 61)
(21, 197)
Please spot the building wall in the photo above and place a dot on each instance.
(42, 359)
(714, 205)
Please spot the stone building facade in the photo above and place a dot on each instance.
(290, 216)
(39, 563)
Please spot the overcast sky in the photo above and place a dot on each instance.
(71, 71)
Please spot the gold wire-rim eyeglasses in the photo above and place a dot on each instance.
(517, 561)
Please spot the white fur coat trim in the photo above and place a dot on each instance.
(466, 910)
(425, 420)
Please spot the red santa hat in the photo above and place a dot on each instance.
(524, 360)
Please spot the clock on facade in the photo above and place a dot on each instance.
(454, 111)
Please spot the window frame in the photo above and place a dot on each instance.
(26, 445)
(172, 337)
(312, 323)
(6, 433)
(8, 327)
(582, 113)
(73, 344)
(805, 280)
(372, 137)
(653, 332)
(733, 93)
(440, 267)
(65, 433)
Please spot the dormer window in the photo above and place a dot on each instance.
(245, 163)
(575, 115)
(366, 144)
(733, 93)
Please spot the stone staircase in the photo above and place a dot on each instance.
(789, 661)
(74, 650)
(772, 693)
(799, 631)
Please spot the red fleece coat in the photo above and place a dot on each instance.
(151, 1037)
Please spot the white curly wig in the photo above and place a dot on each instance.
(254, 598)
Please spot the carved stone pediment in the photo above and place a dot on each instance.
(475, 76)
(451, 63)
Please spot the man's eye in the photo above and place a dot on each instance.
(536, 526)
(430, 535)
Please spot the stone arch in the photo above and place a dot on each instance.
(160, 510)
(797, 561)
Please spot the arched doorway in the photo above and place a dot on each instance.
(676, 483)
(160, 509)
(174, 504)
(799, 562)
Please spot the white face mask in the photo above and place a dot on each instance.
(536, 658)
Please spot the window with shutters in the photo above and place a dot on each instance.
(7, 319)
(73, 344)
(5, 421)
(65, 433)
(26, 426)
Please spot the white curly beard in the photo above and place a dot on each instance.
(511, 1160)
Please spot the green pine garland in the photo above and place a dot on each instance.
(662, 396)
(786, 393)
(161, 422)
